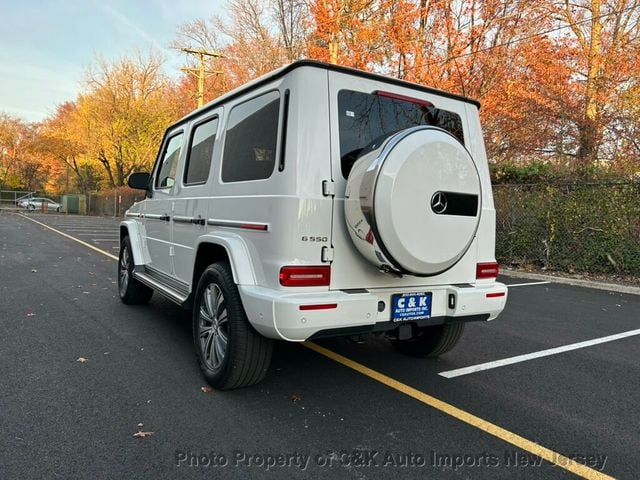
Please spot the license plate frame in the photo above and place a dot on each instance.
(411, 306)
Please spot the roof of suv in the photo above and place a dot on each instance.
(326, 66)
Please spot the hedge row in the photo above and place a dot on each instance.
(575, 228)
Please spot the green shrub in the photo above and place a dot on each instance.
(575, 228)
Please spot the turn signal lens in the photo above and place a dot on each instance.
(302, 276)
(487, 270)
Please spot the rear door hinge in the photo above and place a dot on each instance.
(327, 254)
(328, 188)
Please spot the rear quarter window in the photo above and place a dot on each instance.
(366, 120)
(251, 139)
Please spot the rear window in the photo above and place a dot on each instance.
(366, 120)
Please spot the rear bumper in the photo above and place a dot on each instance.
(278, 315)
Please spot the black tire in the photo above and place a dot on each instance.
(431, 341)
(131, 291)
(231, 354)
(31, 207)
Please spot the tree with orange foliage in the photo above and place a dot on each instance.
(123, 114)
(603, 50)
(62, 139)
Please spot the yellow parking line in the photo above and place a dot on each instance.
(455, 412)
(88, 245)
(466, 417)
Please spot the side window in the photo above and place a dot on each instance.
(251, 139)
(200, 152)
(166, 175)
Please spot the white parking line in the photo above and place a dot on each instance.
(75, 225)
(115, 235)
(88, 231)
(525, 284)
(88, 245)
(530, 356)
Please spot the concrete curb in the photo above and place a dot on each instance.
(576, 282)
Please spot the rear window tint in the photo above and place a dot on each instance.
(200, 153)
(366, 120)
(251, 139)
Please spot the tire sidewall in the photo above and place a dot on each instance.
(125, 245)
(210, 276)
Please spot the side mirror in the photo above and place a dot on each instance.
(139, 180)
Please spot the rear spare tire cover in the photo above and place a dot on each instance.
(413, 204)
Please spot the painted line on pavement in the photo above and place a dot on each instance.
(466, 417)
(106, 234)
(88, 245)
(525, 284)
(530, 356)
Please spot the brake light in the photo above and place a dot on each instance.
(487, 270)
(403, 98)
(303, 276)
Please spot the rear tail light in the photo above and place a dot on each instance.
(302, 276)
(487, 270)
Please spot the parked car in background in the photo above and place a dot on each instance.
(35, 203)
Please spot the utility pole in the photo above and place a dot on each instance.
(200, 72)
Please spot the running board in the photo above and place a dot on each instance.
(170, 293)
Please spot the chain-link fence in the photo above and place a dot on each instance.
(113, 203)
(575, 227)
(10, 198)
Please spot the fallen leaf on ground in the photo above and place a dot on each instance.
(295, 398)
(82, 360)
(31, 314)
(140, 433)
(206, 389)
(33, 270)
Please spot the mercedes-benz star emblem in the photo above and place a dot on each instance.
(439, 202)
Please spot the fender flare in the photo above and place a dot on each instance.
(237, 251)
(133, 231)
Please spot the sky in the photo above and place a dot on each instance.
(46, 46)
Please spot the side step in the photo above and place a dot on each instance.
(168, 292)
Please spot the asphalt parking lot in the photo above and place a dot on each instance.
(554, 379)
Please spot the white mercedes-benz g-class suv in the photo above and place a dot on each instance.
(317, 201)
